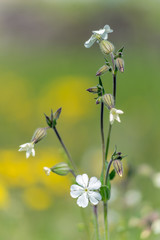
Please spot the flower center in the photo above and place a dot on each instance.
(86, 190)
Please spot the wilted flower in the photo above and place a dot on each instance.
(114, 115)
(29, 148)
(101, 34)
(84, 190)
(47, 171)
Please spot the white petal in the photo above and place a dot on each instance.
(94, 197)
(82, 180)
(108, 29)
(28, 154)
(111, 118)
(76, 191)
(118, 118)
(90, 41)
(33, 152)
(75, 187)
(94, 184)
(82, 201)
(119, 112)
(100, 31)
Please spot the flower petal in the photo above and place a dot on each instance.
(100, 31)
(94, 197)
(119, 112)
(90, 41)
(111, 118)
(82, 180)
(108, 29)
(82, 201)
(118, 118)
(28, 154)
(94, 184)
(33, 152)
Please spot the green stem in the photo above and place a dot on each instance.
(106, 232)
(102, 132)
(107, 172)
(86, 225)
(65, 149)
(96, 222)
(108, 141)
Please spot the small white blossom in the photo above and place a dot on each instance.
(29, 148)
(47, 171)
(156, 179)
(114, 115)
(101, 34)
(156, 226)
(85, 190)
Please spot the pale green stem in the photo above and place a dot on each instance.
(96, 222)
(65, 149)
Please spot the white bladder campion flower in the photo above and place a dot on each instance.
(47, 171)
(29, 148)
(84, 190)
(101, 34)
(114, 115)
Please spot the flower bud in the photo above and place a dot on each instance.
(102, 70)
(61, 169)
(118, 167)
(93, 90)
(39, 134)
(99, 100)
(106, 47)
(120, 64)
(57, 114)
(108, 100)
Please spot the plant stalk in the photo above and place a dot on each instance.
(65, 149)
(96, 222)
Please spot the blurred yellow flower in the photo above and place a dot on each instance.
(4, 196)
(37, 198)
(69, 93)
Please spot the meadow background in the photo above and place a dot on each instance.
(44, 65)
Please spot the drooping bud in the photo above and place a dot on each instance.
(108, 100)
(106, 47)
(61, 169)
(102, 70)
(120, 64)
(99, 100)
(118, 167)
(39, 134)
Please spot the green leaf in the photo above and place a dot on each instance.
(112, 175)
(105, 193)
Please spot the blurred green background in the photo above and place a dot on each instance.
(44, 65)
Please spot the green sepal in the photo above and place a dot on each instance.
(121, 50)
(48, 120)
(112, 174)
(54, 123)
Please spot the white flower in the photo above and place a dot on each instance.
(101, 34)
(114, 115)
(47, 171)
(29, 148)
(85, 190)
(156, 179)
(156, 226)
